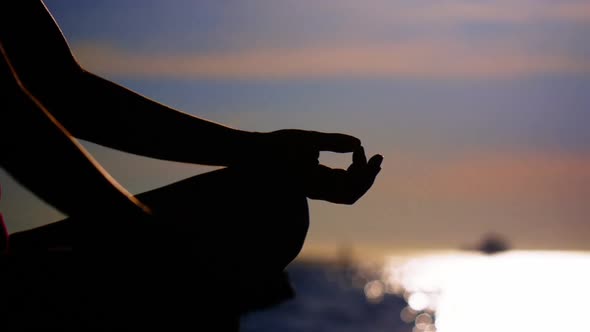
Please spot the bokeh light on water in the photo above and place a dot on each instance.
(452, 291)
(511, 291)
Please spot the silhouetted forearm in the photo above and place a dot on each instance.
(109, 114)
(98, 110)
(38, 152)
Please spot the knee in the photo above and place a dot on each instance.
(254, 213)
(283, 217)
(283, 201)
(271, 216)
(269, 187)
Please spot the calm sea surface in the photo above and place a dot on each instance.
(540, 291)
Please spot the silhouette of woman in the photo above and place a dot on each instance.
(219, 240)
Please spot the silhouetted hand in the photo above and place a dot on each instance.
(344, 186)
(296, 153)
(298, 149)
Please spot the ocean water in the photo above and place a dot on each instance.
(330, 297)
(511, 291)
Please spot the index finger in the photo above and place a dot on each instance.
(334, 142)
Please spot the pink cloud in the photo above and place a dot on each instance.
(421, 58)
(521, 177)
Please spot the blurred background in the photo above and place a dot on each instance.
(480, 218)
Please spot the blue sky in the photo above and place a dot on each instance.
(480, 107)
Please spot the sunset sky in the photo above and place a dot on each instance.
(480, 108)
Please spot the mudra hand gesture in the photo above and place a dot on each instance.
(298, 151)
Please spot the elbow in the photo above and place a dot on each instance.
(47, 80)
(56, 90)
(60, 92)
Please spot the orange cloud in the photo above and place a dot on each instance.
(519, 177)
(421, 58)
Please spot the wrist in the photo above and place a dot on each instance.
(247, 147)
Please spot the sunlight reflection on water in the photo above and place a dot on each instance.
(511, 291)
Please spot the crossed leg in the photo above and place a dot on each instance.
(231, 211)
(224, 241)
